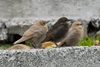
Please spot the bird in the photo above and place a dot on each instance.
(97, 43)
(19, 46)
(49, 44)
(35, 34)
(93, 27)
(74, 36)
(58, 31)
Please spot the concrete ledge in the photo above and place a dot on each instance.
(55, 57)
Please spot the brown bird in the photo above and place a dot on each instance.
(74, 36)
(97, 43)
(19, 46)
(49, 44)
(35, 34)
(58, 31)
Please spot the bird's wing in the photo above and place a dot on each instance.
(27, 35)
(62, 42)
(31, 33)
(53, 32)
(70, 34)
(54, 27)
(48, 37)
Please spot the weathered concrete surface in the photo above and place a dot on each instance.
(26, 12)
(49, 8)
(55, 57)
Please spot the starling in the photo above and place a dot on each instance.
(74, 36)
(19, 46)
(58, 31)
(35, 34)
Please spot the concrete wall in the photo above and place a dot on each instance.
(14, 12)
(55, 57)
(49, 8)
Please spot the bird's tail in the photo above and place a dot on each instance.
(20, 40)
(62, 43)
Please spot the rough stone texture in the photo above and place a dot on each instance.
(49, 8)
(54, 57)
(33, 10)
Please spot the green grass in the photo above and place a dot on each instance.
(86, 42)
(6, 45)
(28, 44)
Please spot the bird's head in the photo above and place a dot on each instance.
(65, 21)
(77, 23)
(62, 20)
(42, 22)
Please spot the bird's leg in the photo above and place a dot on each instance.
(33, 44)
(56, 44)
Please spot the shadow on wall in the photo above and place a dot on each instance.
(93, 27)
(5, 37)
(11, 39)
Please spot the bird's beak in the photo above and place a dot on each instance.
(48, 21)
(69, 23)
(81, 24)
(69, 19)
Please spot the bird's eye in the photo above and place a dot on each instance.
(78, 24)
(43, 24)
